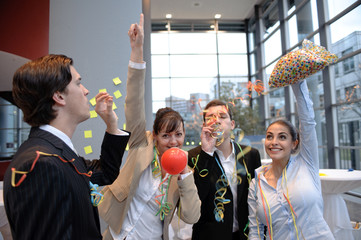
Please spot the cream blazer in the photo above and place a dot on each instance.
(118, 196)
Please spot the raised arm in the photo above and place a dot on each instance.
(309, 144)
(136, 37)
(134, 101)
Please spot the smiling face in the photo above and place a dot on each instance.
(165, 140)
(278, 143)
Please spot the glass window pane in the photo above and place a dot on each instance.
(269, 70)
(252, 59)
(276, 103)
(272, 47)
(271, 21)
(347, 30)
(348, 98)
(303, 23)
(193, 65)
(187, 88)
(349, 132)
(160, 89)
(252, 40)
(232, 43)
(160, 66)
(337, 6)
(233, 65)
(347, 83)
(235, 89)
(192, 43)
(159, 43)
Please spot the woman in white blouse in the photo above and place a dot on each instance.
(285, 196)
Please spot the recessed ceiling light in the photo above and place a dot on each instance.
(168, 16)
(217, 16)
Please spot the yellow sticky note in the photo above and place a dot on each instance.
(124, 126)
(127, 147)
(322, 174)
(93, 114)
(114, 106)
(117, 81)
(93, 101)
(103, 90)
(117, 94)
(88, 134)
(88, 149)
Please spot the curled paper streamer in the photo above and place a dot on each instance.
(300, 64)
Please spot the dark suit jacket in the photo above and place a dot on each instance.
(53, 202)
(207, 227)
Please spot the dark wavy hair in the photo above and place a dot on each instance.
(169, 118)
(217, 102)
(35, 83)
(292, 129)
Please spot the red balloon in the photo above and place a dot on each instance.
(173, 161)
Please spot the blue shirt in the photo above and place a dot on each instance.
(301, 184)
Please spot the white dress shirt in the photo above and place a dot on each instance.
(143, 209)
(59, 134)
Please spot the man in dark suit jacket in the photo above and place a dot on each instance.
(222, 171)
(48, 190)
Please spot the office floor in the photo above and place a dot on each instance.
(354, 207)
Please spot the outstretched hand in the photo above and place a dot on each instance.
(104, 108)
(136, 37)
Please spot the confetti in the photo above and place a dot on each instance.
(300, 64)
(117, 81)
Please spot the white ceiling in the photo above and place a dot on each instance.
(203, 9)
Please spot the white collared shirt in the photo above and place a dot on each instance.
(141, 221)
(59, 134)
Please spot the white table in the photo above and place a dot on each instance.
(335, 182)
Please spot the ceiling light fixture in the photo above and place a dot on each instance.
(217, 16)
(168, 16)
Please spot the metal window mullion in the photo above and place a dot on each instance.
(285, 43)
(328, 88)
(263, 106)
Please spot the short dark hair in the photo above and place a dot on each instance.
(35, 83)
(169, 118)
(292, 129)
(217, 102)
